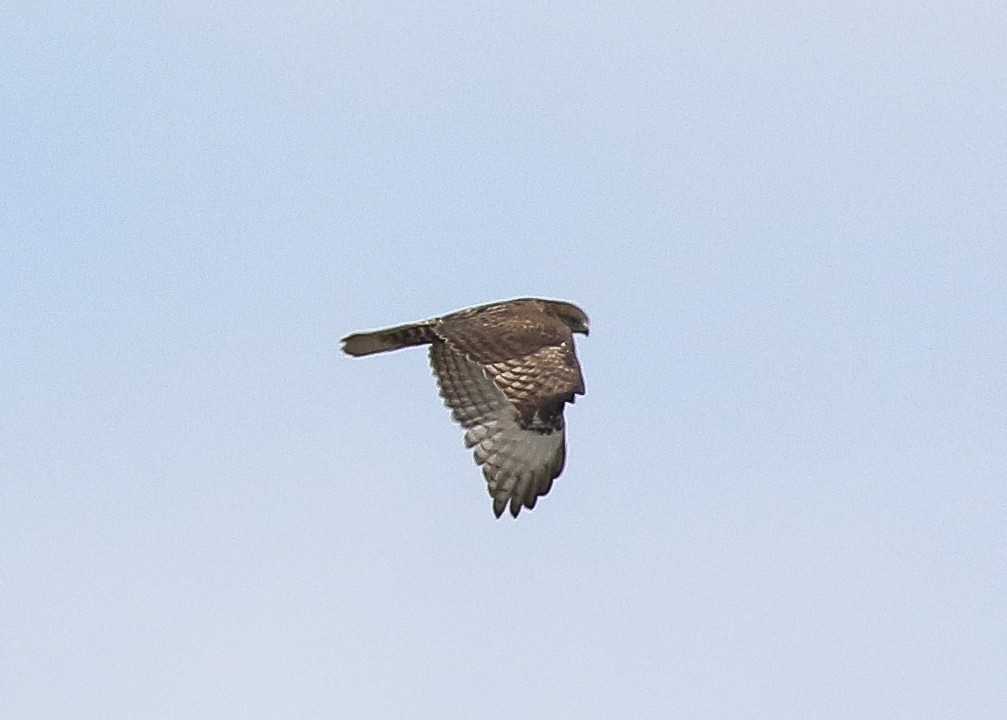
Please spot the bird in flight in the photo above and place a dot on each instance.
(506, 370)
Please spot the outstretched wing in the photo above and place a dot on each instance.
(518, 462)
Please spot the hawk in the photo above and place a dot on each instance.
(506, 370)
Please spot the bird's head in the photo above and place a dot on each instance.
(571, 315)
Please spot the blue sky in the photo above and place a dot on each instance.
(785, 489)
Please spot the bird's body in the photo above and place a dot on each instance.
(506, 370)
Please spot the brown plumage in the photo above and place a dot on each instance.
(506, 370)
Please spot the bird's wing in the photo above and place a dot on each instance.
(518, 461)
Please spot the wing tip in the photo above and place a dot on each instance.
(515, 503)
(499, 504)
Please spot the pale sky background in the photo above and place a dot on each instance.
(786, 490)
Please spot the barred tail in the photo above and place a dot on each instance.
(394, 338)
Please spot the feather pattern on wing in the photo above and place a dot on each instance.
(519, 463)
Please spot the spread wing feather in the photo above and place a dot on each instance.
(519, 463)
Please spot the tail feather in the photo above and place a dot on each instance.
(394, 338)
